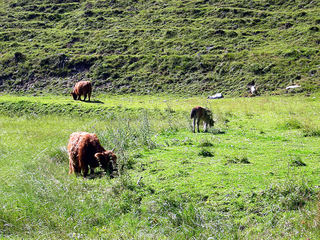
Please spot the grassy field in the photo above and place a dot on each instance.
(255, 175)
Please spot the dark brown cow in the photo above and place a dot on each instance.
(201, 114)
(85, 151)
(82, 88)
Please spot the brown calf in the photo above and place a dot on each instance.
(85, 151)
(82, 88)
(201, 114)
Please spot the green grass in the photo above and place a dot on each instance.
(252, 185)
(151, 47)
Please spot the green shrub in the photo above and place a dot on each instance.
(205, 153)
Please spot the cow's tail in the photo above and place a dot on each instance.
(193, 113)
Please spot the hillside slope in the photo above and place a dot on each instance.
(159, 46)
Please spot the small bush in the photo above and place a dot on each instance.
(205, 153)
(311, 131)
(205, 143)
(238, 160)
(290, 124)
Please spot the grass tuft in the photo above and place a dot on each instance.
(205, 143)
(238, 160)
(59, 155)
(290, 124)
(311, 131)
(297, 162)
(205, 153)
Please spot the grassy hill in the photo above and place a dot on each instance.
(159, 46)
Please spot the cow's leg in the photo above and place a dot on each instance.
(91, 171)
(85, 171)
(194, 125)
(85, 96)
(89, 95)
(71, 168)
(79, 97)
(76, 169)
(198, 122)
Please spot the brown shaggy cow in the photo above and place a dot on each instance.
(82, 88)
(201, 114)
(85, 151)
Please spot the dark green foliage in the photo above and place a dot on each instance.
(205, 153)
(291, 124)
(311, 131)
(206, 143)
(297, 162)
(238, 160)
(288, 195)
(152, 46)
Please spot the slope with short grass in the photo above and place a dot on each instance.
(159, 46)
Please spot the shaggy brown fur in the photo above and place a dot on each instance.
(82, 88)
(201, 114)
(85, 151)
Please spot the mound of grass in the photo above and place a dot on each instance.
(297, 163)
(238, 160)
(311, 131)
(291, 124)
(205, 153)
(206, 143)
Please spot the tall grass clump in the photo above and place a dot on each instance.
(311, 131)
(59, 155)
(288, 195)
(127, 135)
(290, 124)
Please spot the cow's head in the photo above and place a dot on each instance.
(73, 95)
(107, 160)
(211, 122)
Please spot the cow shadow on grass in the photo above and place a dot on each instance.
(95, 101)
(101, 174)
(216, 131)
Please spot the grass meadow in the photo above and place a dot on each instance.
(254, 175)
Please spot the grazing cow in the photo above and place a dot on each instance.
(85, 151)
(82, 88)
(201, 114)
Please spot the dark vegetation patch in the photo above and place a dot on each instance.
(206, 143)
(297, 162)
(290, 124)
(205, 153)
(311, 131)
(238, 160)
